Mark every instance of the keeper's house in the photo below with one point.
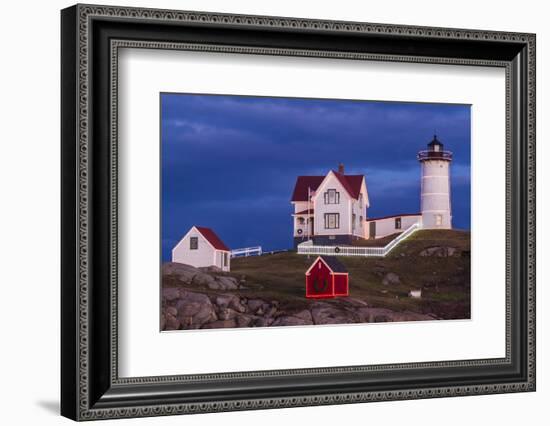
(327, 277)
(201, 247)
(330, 209)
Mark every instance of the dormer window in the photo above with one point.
(194, 243)
(332, 196)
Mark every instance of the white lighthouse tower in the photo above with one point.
(435, 184)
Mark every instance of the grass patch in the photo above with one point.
(445, 281)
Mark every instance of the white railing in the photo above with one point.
(247, 251)
(308, 247)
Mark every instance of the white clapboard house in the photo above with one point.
(201, 247)
(332, 209)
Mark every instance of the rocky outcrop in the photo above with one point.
(184, 309)
(207, 298)
(210, 277)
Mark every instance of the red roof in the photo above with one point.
(310, 211)
(351, 183)
(302, 184)
(212, 238)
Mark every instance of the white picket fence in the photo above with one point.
(308, 247)
(247, 251)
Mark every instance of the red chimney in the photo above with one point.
(341, 168)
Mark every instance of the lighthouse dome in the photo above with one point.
(435, 145)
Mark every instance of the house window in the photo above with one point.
(332, 220)
(301, 221)
(361, 201)
(194, 243)
(353, 217)
(225, 259)
(361, 221)
(332, 197)
(397, 223)
(438, 219)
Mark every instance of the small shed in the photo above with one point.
(327, 277)
(201, 247)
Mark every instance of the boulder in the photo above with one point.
(244, 320)
(189, 309)
(285, 320)
(206, 280)
(226, 314)
(328, 314)
(270, 311)
(170, 293)
(439, 251)
(391, 278)
(171, 310)
(237, 305)
(190, 297)
(194, 310)
(227, 283)
(262, 322)
(184, 273)
(386, 315)
(224, 300)
(255, 304)
(304, 315)
(171, 322)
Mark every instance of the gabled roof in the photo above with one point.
(332, 263)
(212, 238)
(302, 184)
(351, 183)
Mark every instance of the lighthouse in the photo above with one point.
(435, 184)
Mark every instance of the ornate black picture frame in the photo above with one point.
(91, 36)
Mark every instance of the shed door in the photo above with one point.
(372, 230)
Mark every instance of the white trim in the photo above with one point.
(326, 264)
(355, 250)
(319, 191)
(206, 239)
(185, 236)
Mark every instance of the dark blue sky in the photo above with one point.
(230, 162)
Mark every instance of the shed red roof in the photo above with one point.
(351, 183)
(212, 238)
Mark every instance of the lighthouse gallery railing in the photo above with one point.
(308, 247)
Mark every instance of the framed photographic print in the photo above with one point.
(263, 212)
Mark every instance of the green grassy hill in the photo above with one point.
(437, 262)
